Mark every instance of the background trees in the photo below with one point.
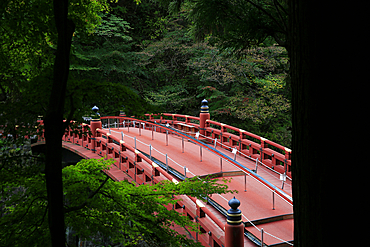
(236, 24)
(250, 91)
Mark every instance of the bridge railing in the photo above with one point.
(117, 122)
(156, 127)
(145, 171)
(271, 154)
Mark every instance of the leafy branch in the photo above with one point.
(85, 203)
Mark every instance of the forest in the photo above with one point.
(157, 54)
(58, 58)
(158, 58)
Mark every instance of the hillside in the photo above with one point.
(156, 56)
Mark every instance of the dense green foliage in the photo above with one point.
(173, 72)
(143, 59)
(248, 92)
(94, 204)
(235, 24)
(142, 49)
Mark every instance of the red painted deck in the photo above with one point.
(261, 208)
(256, 202)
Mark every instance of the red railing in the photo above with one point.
(145, 171)
(160, 126)
(271, 154)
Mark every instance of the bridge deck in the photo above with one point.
(257, 201)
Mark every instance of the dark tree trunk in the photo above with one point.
(54, 124)
(306, 179)
(316, 75)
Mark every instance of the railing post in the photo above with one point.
(288, 156)
(263, 146)
(150, 151)
(182, 144)
(234, 151)
(166, 137)
(234, 227)
(203, 116)
(95, 123)
(152, 132)
(261, 237)
(245, 182)
(166, 163)
(121, 121)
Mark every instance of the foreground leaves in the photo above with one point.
(97, 206)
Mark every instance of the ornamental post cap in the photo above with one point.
(95, 109)
(204, 107)
(95, 115)
(234, 215)
(234, 203)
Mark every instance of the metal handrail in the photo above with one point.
(249, 172)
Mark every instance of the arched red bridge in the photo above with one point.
(175, 146)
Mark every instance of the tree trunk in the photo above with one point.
(54, 125)
(314, 79)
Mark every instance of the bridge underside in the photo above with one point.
(70, 156)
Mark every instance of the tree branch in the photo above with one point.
(281, 7)
(30, 207)
(277, 5)
(42, 221)
(265, 12)
(91, 195)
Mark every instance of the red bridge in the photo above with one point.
(175, 146)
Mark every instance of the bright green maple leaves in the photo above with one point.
(126, 212)
(97, 206)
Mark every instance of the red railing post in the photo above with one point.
(203, 116)
(121, 114)
(95, 123)
(263, 146)
(234, 227)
